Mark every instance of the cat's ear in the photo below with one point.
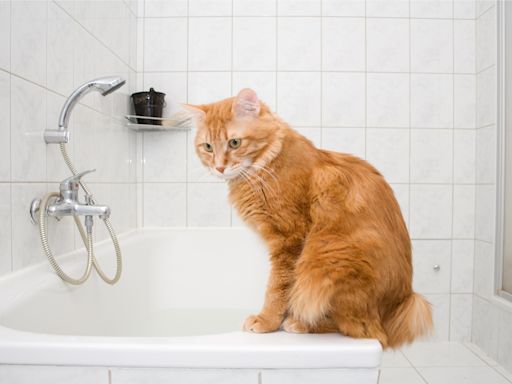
(246, 103)
(196, 111)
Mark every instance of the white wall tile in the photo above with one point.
(486, 97)
(28, 40)
(464, 9)
(485, 324)
(464, 156)
(165, 204)
(387, 100)
(254, 43)
(208, 205)
(464, 46)
(431, 211)
(5, 228)
(464, 211)
(485, 36)
(464, 103)
(264, 83)
(387, 8)
(485, 200)
(426, 254)
(505, 341)
(61, 42)
(388, 151)
(165, 157)
(298, 98)
(339, 106)
(25, 374)
(165, 44)
(173, 84)
(486, 154)
(432, 101)
(441, 315)
(164, 8)
(463, 252)
(483, 6)
(295, 37)
(484, 270)
(26, 244)
(27, 131)
(431, 45)
(254, 7)
(431, 8)
(299, 7)
(346, 140)
(206, 87)
(343, 8)
(5, 35)
(460, 317)
(401, 192)
(209, 44)
(189, 376)
(313, 134)
(5, 126)
(343, 44)
(387, 45)
(210, 7)
(431, 155)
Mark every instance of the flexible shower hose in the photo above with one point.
(87, 237)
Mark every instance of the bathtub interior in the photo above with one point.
(178, 282)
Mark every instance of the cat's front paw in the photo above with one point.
(292, 325)
(261, 324)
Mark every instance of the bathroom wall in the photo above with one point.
(48, 48)
(492, 322)
(390, 81)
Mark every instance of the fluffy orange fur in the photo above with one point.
(340, 252)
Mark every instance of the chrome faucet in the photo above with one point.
(67, 204)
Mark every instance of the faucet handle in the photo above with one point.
(71, 183)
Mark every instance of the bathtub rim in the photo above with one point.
(225, 350)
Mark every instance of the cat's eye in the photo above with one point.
(235, 143)
(207, 147)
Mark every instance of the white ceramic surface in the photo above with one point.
(179, 303)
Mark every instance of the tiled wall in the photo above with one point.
(389, 81)
(47, 49)
(492, 323)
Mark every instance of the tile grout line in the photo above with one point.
(450, 302)
(188, 134)
(232, 82)
(10, 132)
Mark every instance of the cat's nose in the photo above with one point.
(220, 169)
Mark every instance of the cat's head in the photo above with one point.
(236, 136)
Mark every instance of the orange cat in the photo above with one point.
(339, 249)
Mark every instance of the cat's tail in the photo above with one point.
(411, 319)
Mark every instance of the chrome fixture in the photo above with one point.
(436, 267)
(104, 85)
(66, 203)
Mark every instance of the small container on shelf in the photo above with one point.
(148, 105)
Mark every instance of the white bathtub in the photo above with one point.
(175, 316)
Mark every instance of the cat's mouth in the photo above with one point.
(232, 172)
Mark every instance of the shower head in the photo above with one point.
(104, 85)
(107, 85)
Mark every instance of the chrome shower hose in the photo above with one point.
(86, 237)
